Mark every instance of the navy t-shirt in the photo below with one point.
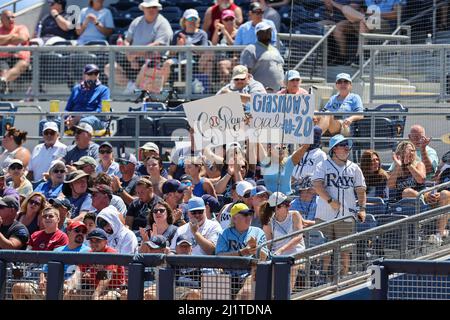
(50, 28)
(140, 210)
(16, 230)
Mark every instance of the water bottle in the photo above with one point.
(429, 39)
(119, 41)
(39, 30)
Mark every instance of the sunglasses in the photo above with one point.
(49, 133)
(342, 144)
(228, 19)
(34, 203)
(186, 183)
(78, 131)
(161, 210)
(48, 216)
(239, 79)
(103, 151)
(195, 212)
(342, 81)
(191, 19)
(123, 163)
(259, 12)
(79, 230)
(59, 171)
(280, 148)
(16, 167)
(246, 195)
(10, 17)
(92, 73)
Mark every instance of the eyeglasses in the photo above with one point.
(195, 212)
(48, 216)
(246, 195)
(16, 166)
(79, 230)
(123, 163)
(49, 133)
(92, 73)
(259, 12)
(342, 81)
(161, 210)
(34, 203)
(103, 151)
(342, 144)
(239, 79)
(59, 171)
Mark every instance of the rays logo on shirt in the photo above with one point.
(234, 245)
(342, 182)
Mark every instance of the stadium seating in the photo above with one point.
(6, 121)
(407, 207)
(369, 223)
(167, 125)
(376, 205)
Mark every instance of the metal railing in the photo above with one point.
(430, 189)
(7, 4)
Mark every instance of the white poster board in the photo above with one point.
(216, 120)
(271, 114)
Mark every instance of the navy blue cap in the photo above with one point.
(97, 233)
(157, 242)
(90, 68)
(212, 202)
(172, 185)
(183, 239)
(61, 202)
(107, 144)
(258, 190)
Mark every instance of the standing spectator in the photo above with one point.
(270, 13)
(376, 177)
(203, 233)
(95, 23)
(45, 153)
(292, 81)
(139, 208)
(30, 211)
(263, 60)
(75, 188)
(12, 142)
(52, 188)
(55, 26)
(125, 184)
(150, 29)
(201, 185)
(16, 172)
(336, 180)
(13, 234)
(12, 64)
(343, 101)
(214, 13)
(106, 160)
(83, 144)
(154, 168)
(246, 33)
(160, 223)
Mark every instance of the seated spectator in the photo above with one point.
(376, 177)
(44, 154)
(106, 161)
(214, 13)
(103, 181)
(30, 211)
(201, 185)
(149, 149)
(155, 244)
(154, 169)
(243, 192)
(95, 23)
(246, 33)
(75, 188)
(55, 26)
(409, 173)
(150, 29)
(13, 234)
(12, 142)
(173, 193)
(263, 60)
(139, 208)
(343, 101)
(212, 206)
(160, 223)
(18, 181)
(52, 188)
(244, 83)
(258, 195)
(86, 164)
(124, 185)
(202, 233)
(292, 81)
(87, 97)
(5, 190)
(12, 64)
(424, 152)
(83, 144)
(270, 13)
(65, 211)
(101, 282)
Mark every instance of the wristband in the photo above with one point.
(97, 23)
(330, 200)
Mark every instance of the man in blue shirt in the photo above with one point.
(246, 33)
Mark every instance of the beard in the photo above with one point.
(79, 239)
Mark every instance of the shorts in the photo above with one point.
(8, 63)
(336, 230)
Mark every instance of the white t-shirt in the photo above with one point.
(308, 164)
(209, 229)
(340, 183)
(42, 157)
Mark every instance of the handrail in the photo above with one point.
(419, 195)
(300, 37)
(13, 2)
(314, 48)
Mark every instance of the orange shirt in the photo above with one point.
(17, 30)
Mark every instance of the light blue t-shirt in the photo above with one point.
(384, 5)
(306, 208)
(246, 33)
(231, 240)
(351, 103)
(113, 170)
(91, 32)
(270, 176)
(69, 270)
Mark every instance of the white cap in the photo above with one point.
(50, 126)
(343, 76)
(263, 25)
(150, 146)
(55, 163)
(277, 198)
(242, 187)
(189, 13)
(150, 3)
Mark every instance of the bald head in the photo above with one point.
(416, 135)
(7, 19)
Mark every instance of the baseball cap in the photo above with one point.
(149, 4)
(241, 208)
(75, 175)
(150, 146)
(85, 127)
(185, 177)
(76, 224)
(157, 242)
(128, 157)
(90, 68)
(190, 13)
(291, 75)
(258, 190)
(172, 185)
(106, 144)
(50, 126)
(9, 202)
(335, 140)
(227, 13)
(51, 2)
(343, 76)
(86, 160)
(277, 198)
(196, 203)
(263, 25)
(97, 233)
(255, 6)
(102, 188)
(183, 239)
(13, 161)
(212, 202)
(239, 72)
(242, 187)
(61, 202)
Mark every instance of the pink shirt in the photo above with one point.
(17, 30)
(299, 91)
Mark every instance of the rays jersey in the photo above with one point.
(340, 183)
(305, 169)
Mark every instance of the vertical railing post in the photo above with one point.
(112, 72)
(263, 287)
(281, 270)
(136, 281)
(325, 57)
(189, 72)
(166, 281)
(361, 55)
(35, 73)
(443, 68)
(2, 279)
(55, 281)
(137, 130)
(372, 76)
(434, 20)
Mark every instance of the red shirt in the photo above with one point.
(17, 30)
(299, 91)
(116, 273)
(216, 14)
(42, 241)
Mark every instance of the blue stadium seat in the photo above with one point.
(201, 11)
(151, 106)
(167, 125)
(51, 68)
(315, 238)
(6, 121)
(407, 206)
(123, 5)
(172, 14)
(369, 223)
(376, 205)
